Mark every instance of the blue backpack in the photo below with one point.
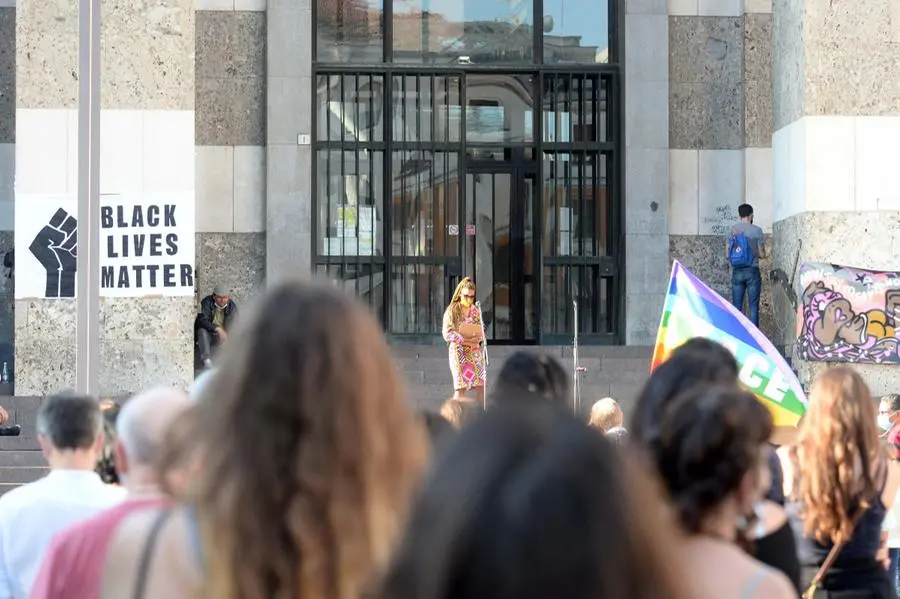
(740, 252)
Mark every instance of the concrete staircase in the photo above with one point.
(615, 371)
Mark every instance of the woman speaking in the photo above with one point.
(464, 333)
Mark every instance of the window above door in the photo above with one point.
(464, 32)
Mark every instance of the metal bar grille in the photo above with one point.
(576, 259)
(391, 204)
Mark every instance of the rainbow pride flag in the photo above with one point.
(694, 310)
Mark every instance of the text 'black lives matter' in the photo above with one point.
(168, 272)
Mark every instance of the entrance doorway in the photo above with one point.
(499, 248)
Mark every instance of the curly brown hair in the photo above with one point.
(309, 451)
(837, 451)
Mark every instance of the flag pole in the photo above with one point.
(87, 350)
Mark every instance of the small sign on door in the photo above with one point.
(470, 230)
(453, 230)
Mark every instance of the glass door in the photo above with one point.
(499, 249)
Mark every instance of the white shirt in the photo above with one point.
(892, 523)
(31, 515)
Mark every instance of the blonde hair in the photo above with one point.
(453, 307)
(605, 415)
(838, 446)
(460, 412)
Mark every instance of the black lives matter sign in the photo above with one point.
(147, 248)
(146, 245)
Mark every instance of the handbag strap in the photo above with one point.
(836, 551)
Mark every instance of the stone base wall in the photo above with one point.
(704, 255)
(861, 239)
(236, 260)
(143, 343)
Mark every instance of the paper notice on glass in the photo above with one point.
(366, 219)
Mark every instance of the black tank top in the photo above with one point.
(779, 550)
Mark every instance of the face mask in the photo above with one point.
(884, 422)
(467, 302)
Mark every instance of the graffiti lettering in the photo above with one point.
(719, 220)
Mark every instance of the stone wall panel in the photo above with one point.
(7, 75)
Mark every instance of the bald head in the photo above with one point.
(144, 421)
(606, 414)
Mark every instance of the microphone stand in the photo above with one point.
(484, 350)
(576, 395)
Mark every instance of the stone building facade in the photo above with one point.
(789, 105)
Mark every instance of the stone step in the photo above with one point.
(21, 476)
(21, 443)
(563, 352)
(22, 459)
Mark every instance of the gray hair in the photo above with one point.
(145, 420)
(70, 421)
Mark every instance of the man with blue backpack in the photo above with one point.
(745, 246)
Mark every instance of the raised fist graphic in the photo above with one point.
(56, 248)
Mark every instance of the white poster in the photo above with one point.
(146, 245)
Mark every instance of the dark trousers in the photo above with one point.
(206, 341)
(894, 570)
(747, 280)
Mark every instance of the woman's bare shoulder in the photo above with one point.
(892, 484)
(775, 585)
(170, 554)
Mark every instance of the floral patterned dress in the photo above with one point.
(466, 361)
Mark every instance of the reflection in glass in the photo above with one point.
(350, 201)
(575, 108)
(562, 284)
(499, 108)
(426, 108)
(366, 281)
(463, 31)
(525, 195)
(350, 108)
(576, 31)
(349, 31)
(575, 204)
(424, 204)
(418, 298)
(488, 247)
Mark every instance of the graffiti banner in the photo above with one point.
(848, 314)
(694, 310)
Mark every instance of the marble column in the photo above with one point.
(7, 167)
(147, 146)
(289, 155)
(836, 146)
(231, 146)
(646, 80)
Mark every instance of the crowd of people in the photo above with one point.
(295, 468)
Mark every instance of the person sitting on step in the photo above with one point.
(217, 313)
